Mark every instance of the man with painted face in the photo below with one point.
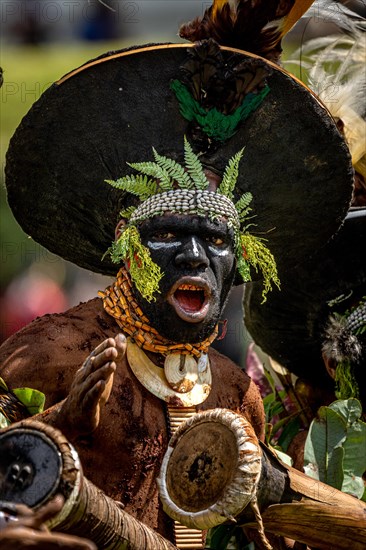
(120, 373)
(198, 257)
(167, 301)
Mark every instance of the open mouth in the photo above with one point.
(190, 299)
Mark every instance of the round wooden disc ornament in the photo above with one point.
(211, 469)
(37, 462)
(32, 468)
(114, 109)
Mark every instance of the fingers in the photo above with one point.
(104, 357)
(106, 351)
(101, 375)
(94, 395)
(22, 538)
(48, 511)
(121, 343)
(108, 343)
(29, 532)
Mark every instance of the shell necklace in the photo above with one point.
(193, 387)
(186, 366)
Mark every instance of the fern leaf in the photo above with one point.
(230, 176)
(137, 185)
(127, 212)
(154, 170)
(242, 206)
(175, 170)
(194, 167)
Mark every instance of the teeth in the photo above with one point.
(190, 287)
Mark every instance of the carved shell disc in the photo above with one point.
(153, 378)
(181, 372)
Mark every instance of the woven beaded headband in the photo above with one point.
(189, 202)
(166, 186)
(356, 321)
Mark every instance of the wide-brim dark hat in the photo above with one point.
(290, 325)
(113, 109)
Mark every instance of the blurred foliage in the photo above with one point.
(228, 537)
(28, 72)
(282, 422)
(335, 449)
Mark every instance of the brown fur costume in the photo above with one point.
(124, 454)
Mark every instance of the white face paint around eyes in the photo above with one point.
(219, 251)
(159, 246)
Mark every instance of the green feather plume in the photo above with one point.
(215, 124)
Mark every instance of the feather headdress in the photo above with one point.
(334, 68)
(255, 26)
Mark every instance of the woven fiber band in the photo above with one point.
(357, 318)
(188, 201)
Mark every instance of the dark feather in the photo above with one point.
(218, 83)
(255, 26)
(339, 343)
(214, 82)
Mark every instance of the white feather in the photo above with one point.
(334, 68)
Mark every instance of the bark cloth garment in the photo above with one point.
(123, 456)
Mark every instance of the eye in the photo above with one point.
(217, 241)
(163, 236)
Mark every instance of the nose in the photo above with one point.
(192, 254)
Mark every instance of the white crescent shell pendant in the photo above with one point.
(193, 381)
(181, 372)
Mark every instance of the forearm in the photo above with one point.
(53, 416)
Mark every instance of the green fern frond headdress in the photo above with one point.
(166, 186)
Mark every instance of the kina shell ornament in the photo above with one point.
(181, 372)
(184, 382)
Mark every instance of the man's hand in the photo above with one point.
(23, 529)
(90, 390)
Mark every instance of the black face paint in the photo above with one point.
(198, 262)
